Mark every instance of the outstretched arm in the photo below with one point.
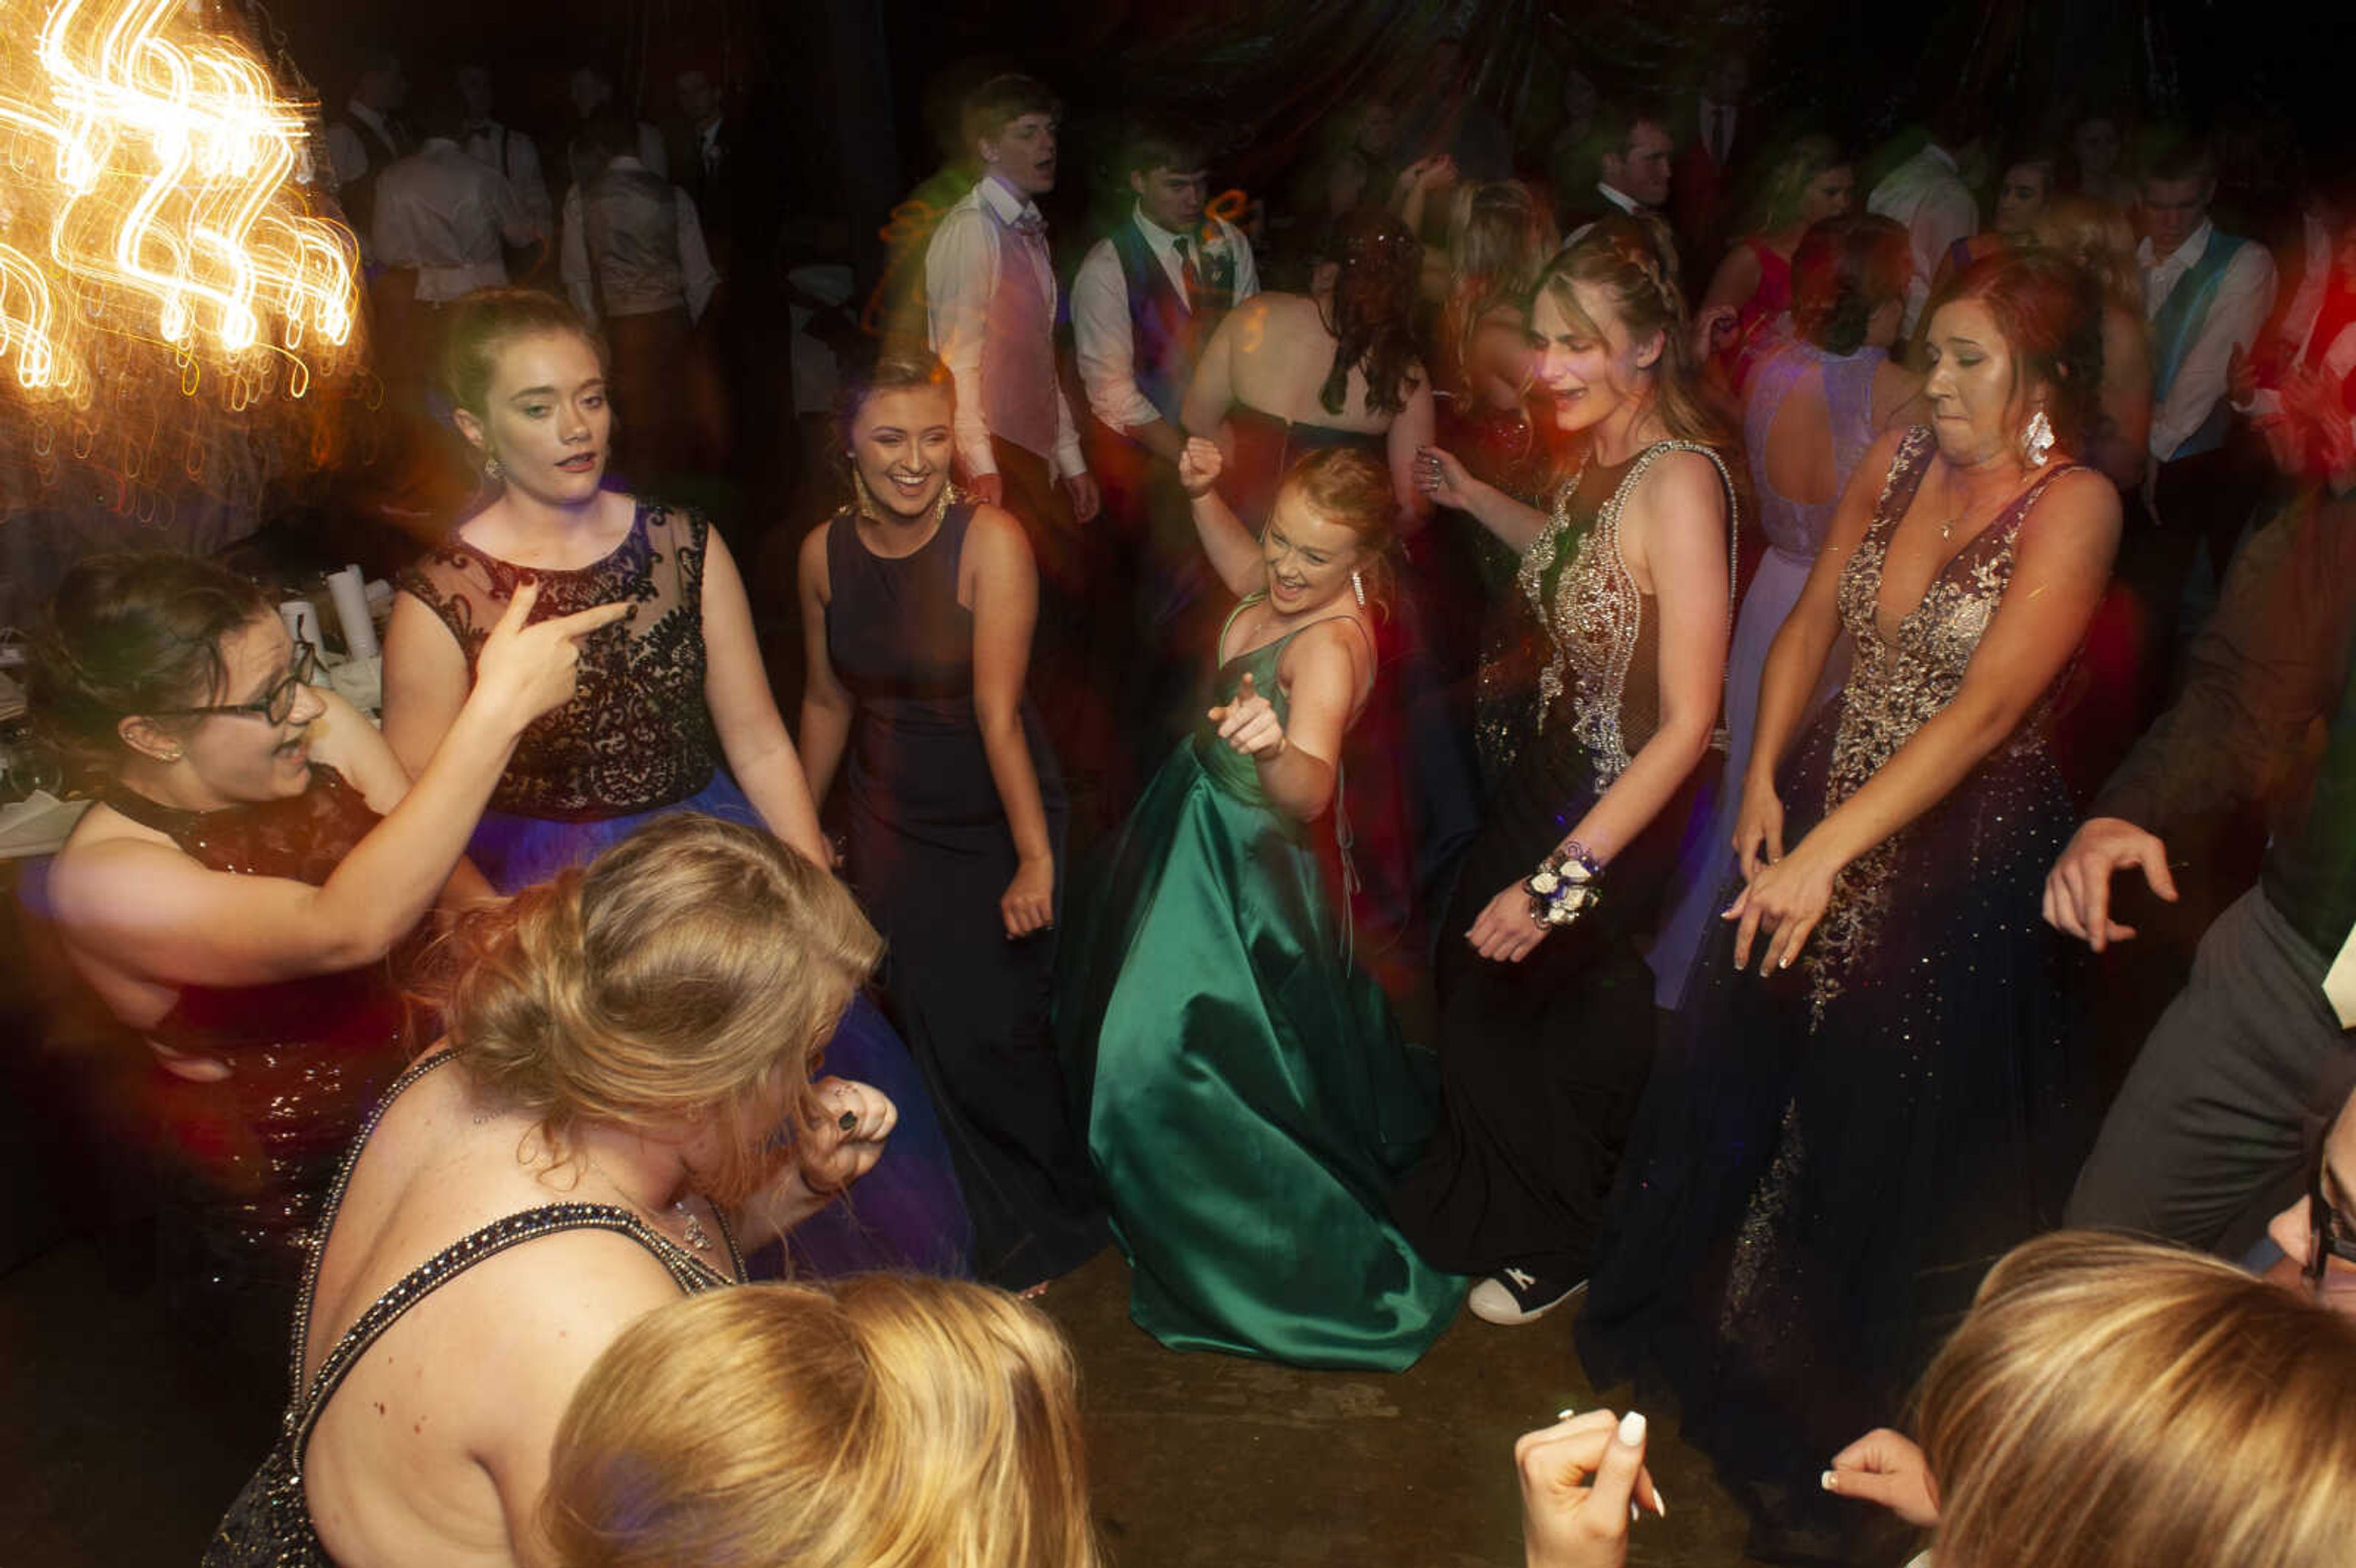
(1234, 554)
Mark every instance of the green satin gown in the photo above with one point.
(1248, 1097)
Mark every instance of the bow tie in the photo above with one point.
(1028, 223)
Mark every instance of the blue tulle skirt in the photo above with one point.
(908, 1213)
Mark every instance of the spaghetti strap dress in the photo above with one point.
(1248, 1098)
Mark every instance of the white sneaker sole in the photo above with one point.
(1492, 1302)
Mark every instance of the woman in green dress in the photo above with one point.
(1248, 1097)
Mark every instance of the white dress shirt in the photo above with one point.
(1926, 195)
(348, 150)
(651, 254)
(1717, 130)
(513, 156)
(445, 215)
(1102, 327)
(960, 274)
(2244, 294)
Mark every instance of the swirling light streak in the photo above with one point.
(151, 160)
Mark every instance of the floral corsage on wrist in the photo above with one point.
(1566, 884)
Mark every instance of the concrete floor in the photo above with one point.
(118, 1447)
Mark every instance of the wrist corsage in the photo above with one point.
(1565, 885)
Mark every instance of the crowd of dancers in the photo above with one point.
(1471, 780)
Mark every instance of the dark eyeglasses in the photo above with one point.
(273, 706)
(2328, 1234)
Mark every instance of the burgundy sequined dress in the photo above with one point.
(247, 1160)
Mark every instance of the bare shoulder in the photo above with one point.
(811, 559)
(1681, 483)
(1337, 644)
(2082, 499)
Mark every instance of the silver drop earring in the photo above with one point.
(492, 469)
(1358, 587)
(2036, 439)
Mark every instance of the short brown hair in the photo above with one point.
(997, 103)
(894, 1421)
(695, 969)
(2113, 1403)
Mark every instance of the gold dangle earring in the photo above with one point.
(866, 499)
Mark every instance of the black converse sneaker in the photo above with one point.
(1513, 1295)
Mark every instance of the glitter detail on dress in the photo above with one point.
(1594, 614)
(637, 734)
(270, 1522)
(1901, 679)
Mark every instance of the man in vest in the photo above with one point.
(1145, 301)
(503, 148)
(990, 301)
(2207, 294)
(369, 138)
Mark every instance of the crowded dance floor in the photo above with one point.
(1257, 784)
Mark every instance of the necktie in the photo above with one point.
(1187, 274)
(1718, 134)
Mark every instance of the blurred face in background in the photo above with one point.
(1172, 198)
(1641, 169)
(2097, 146)
(699, 99)
(1023, 153)
(2172, 209)
(1830, 195)
(474, 85)
(588, 92)
(2021, 198)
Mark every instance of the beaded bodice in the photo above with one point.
(1904, 675)
(270, 1522)
(1597, 622)
(637, 734)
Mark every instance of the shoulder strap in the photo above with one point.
(1645, 461)
(1219, 648)
(487, 1242)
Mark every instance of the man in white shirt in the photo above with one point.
(990, 303)
(1931, 194)
(1144, 302)
(368, 139)
(502, 148)
(634, 259)
(2207, 295)
(446, 217)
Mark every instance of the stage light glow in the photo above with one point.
(149, 161)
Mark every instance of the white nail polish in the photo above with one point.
(1632, 1515)
(1632, 1428)
(1660, 1501)
(1565, 1413)
(1829, 1481)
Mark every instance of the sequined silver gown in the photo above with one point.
(1826, 1163)
(1542, 1061)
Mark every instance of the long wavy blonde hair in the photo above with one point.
(894, 1422)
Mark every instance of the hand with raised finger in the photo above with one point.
(1029, 902)
(1247, 722)
(1758, 829)
(1580, 1481)
(1887, 1468)
(1442, 478)
(1504, 932)
(2078, 888)
(526, 669)
(1200, 462)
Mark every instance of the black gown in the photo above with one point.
(1542, 1061)
(1825, 1163)
(930, 855)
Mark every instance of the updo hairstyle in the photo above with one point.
(695, 968)
(2051, 313)
(486, 321)
(1634, 261)
(1342, 485)
(128, 634)
(891, 1422)
(1845, 270)
(2097, 236)
(2113, 1403)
